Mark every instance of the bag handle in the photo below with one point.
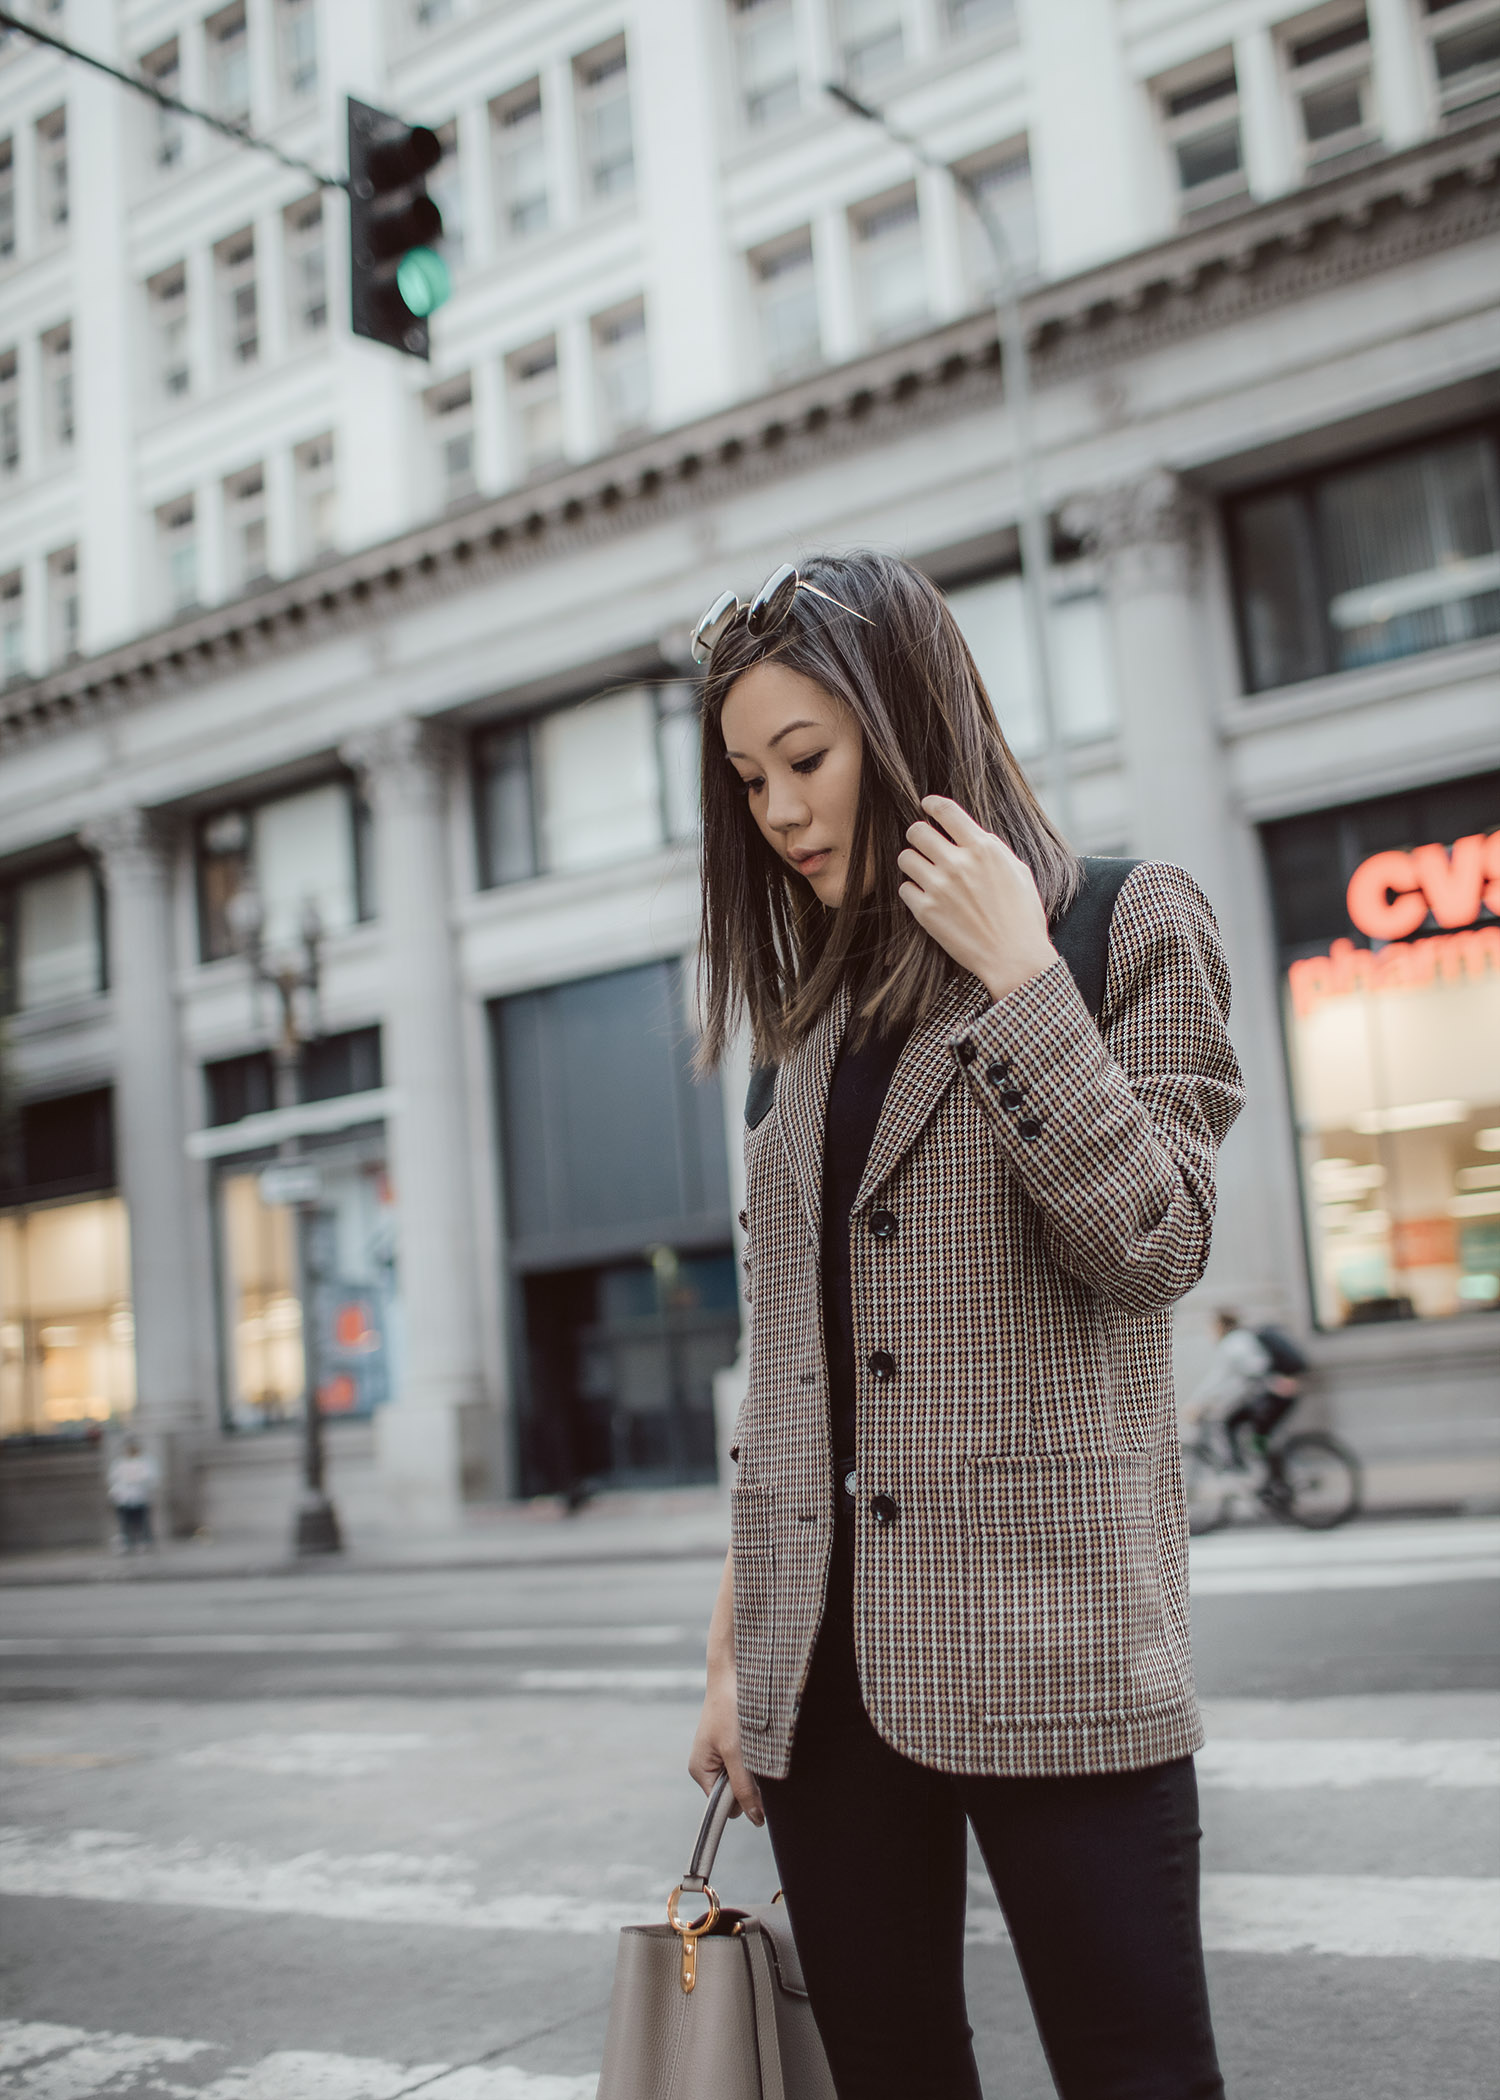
(720, 1808)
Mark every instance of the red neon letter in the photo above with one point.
(1384, 899)
(1453, 886)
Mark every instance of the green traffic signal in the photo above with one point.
(422, 280)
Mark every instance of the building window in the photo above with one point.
(535, 397)
(1201, 124)
(239, 305)
(52, 176)
(167, 299)
(1329, 71)
(67, 1339)
(973, 17)
(177, 543)
(890, 266)
(296, 853)
(602, 95)
(246, 550)
(297, 44)
(306, 268)
(163, 68)
(446, 189)
(53, 943)
(765, 59)
(229, 63)
(520, 147)
(316, 498)
(1003, 179)
(870, 38)
(786, 297)
(57, 388)
(7, 200)
(449, 412)
(586, 786)
(1355, 567)
(992, 617)
(1390, 955)
(622, 370)
(12, 633)
(10, 414)
(1464, 37)
(64, 608)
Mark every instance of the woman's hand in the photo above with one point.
(716, 1746)
(975, 897)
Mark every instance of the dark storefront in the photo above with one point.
(625, 1288)
(1388, 918)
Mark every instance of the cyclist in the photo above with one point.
(1251, 1379)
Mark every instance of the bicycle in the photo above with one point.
(1309, 1479)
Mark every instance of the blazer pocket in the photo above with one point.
(1065, 1590)
(753, 1536)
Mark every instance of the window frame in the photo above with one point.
(1436, 25)
(590, 70)
(219, 30)
(766, 262)
(64, 628)
(519, 387)
(59, 406)
(741, 29)
(236, 266)
(522, 105)
(1349, 62)
(1206, 112)
(10, 941)
(314, 475)
(1302, 486)
(178, 516)
(451, 397)
(166, 141)
(167, 285)
(54, 224)
(304, 235)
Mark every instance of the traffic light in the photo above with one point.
(396, 276)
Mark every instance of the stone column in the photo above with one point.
(1147, 535)
(172, 1410)
(405, 768)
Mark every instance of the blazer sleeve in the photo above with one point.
(1113, 1129)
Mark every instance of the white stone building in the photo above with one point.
(282, 613)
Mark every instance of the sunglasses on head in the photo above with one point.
(767, 613)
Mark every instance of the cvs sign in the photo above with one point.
(1391, 894)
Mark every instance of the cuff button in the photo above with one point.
(1029, 1128)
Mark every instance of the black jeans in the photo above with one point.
(1097, 1877)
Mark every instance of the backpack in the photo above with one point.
(1080, 936)
(1287, 1360)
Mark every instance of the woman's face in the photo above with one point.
(797, 750)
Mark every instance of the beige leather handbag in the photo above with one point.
(715, 2009)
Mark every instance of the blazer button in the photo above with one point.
(884, 1509)
(882, 1364)
(883, 1224)
(1012, 1097)
(1029, 1127)
(999, 1072)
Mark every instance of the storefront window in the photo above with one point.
(308, 1277)
(67, 1344)
(1392, 1019)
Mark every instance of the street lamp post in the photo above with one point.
(1035, 536)
(316, 1528)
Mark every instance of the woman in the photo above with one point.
(957, 1589)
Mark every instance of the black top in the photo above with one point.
(856, 1093)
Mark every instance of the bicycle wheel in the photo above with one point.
(1321, 1481)
(1203, 1490)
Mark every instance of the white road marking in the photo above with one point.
(69, 2063)
(693, 1681)
(1268, 1558)
(104, 1866)
(1442, 1918)
(1347, 1761)
(344, 1641)
(327, 1755)
(1429, 1917)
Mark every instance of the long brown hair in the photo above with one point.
(928, 728)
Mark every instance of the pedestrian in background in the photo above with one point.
(133, 1477)
(1244, 1387)
(957, 1593)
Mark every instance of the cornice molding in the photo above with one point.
(1433, 196)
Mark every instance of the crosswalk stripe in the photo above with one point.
(70, 2063)
(1347, 1761)
(344, 1641)
(1340, 1575)
(1361, 1916)
(1441, 1918)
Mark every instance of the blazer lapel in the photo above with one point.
(802, 1101)
(920, 1080)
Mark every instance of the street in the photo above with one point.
(348, 1836)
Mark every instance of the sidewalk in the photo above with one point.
(667, 1524)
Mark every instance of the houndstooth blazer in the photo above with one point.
(1021, 1549)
